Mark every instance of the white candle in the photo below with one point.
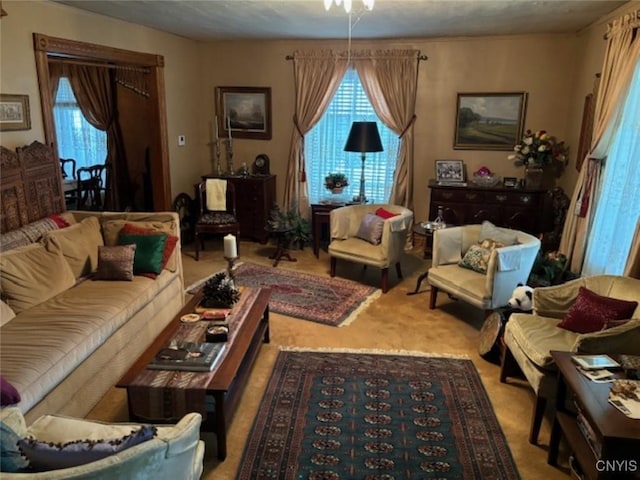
(230, 247)
(216, 120)
(229, 127)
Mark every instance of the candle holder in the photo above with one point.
(230, 171)
(217, 166)
(231, 269)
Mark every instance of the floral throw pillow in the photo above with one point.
(477, 257)
(592, 312)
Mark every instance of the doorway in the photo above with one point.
(147, 159)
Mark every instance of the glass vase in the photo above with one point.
(534, 176)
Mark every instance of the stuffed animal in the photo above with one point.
(522, 298)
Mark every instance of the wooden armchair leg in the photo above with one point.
(398, 270)
(536, 419)
(434, 295)
(385, 280)
(333, 266)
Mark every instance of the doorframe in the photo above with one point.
(46, 47)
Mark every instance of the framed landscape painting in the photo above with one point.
(246, 111)
(489, 121)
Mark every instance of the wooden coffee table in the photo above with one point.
(163, 396)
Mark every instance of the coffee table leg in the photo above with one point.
(265, 319)
(220, 425)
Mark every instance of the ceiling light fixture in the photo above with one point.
(368, 4)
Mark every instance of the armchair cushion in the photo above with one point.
(591, 312)
(371, 228)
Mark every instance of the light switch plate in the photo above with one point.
(182, 140)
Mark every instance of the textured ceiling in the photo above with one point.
(286, 19)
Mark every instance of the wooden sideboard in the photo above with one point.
(255, 197)
(529, 210)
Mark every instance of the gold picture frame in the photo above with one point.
(14, 112)
(489, 121)
(246, 110)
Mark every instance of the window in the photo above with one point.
(77, 138)
(324, 147)
(618, 209)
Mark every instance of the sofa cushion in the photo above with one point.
(79, 244)
(624, 338)
(148, 252)
(536, 336)
(591, 312)
(45, 453)
(371, 228)
(33, 232)
(8, 393)
(111, 229)
(6, 313)
(32, 275)
(115, 263)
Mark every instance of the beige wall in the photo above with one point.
(556, 70)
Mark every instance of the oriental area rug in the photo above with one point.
(326, 300)
(368, 415)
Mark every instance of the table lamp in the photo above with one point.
(363, 138)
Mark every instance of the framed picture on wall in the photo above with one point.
(245, 111)
(489, 121)
(14, 112)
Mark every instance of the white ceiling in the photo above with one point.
(307, 19)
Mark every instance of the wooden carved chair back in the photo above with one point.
(216, 221)
(63, 167)
(91, 187)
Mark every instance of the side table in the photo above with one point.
(282, 248)
(616, 437)
(320, 221)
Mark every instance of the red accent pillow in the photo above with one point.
(592, 312)
(8, 393)
(381, 212)
(169, 246)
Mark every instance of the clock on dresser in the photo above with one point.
(261, 165)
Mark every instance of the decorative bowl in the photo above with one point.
(485, 180)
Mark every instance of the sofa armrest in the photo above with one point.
(624, 338)
(394, 233)
(447, 246)
(556, 300)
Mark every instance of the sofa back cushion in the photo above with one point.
(32, 275)
(79, 245)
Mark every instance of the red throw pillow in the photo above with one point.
(592, 312)
(59, 220)
(169, 246)
(381, 212)
(8, 393)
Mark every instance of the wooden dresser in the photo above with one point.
(529, 210)
(255, 196)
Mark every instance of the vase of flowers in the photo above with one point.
(336, 182)
(543, 156)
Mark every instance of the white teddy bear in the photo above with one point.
(522, 298)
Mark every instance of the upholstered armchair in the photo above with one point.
(530, 338)
(505, 266)
(379, 243)
(176, 451)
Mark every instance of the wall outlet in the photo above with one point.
(182, 140)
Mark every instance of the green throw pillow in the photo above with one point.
(149, 251)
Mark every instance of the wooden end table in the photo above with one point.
(178, 392)
(617, 435)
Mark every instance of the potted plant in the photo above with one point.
(336, 182)
(543, 156)
(298, 228)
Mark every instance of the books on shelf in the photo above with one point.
(188, 356)
(588, 433)
(595, 362)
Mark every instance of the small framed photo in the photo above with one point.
(14, 112)
(450, 171)
(510, 182)
(489, 121)
(246, 111)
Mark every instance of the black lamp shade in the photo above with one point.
(363, 137)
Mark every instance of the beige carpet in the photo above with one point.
(394, 322)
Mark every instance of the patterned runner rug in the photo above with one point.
(353, 415)
(331, 301)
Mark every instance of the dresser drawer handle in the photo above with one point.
(447, 194)
(501, 198)
(471, 196)
(525, 198)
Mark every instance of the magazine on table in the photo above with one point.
(188, 356)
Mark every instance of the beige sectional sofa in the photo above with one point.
(63, 354)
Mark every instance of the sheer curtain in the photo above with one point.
(618, 208)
